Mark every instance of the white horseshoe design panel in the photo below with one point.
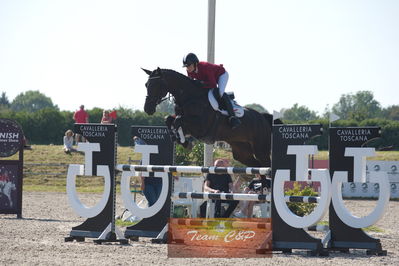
(286, 214)
(77, 206)
(360, 222)
(302, 153)
(132, 206)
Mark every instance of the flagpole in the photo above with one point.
(208, 148)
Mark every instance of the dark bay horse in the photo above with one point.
(250, 142)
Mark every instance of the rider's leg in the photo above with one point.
(222, 83)
(233, 120)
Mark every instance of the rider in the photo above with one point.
(213, 76)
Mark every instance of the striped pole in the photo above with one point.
(241, 196)
(194, 169)
(302, 199)
(221, 196)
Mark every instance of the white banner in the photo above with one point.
(371, 190)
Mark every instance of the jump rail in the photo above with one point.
(194, 169)
(241, 196)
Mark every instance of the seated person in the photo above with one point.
(68, 142)
(150, 185)
(219, 183)
(259, 185)
(107, 118)
(26, 144)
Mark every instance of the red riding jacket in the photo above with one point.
(208, 73)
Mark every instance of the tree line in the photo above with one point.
(44, 123)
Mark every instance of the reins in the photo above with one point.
(165, 98)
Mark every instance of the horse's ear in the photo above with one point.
(147, 71)
(159, 71)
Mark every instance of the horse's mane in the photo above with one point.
(194, 82)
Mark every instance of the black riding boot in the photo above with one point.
(233, 120)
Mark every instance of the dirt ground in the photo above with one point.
(38, 239)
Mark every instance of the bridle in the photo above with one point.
(154, 98)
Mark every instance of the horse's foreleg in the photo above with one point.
(179, 131)
(178, 128)
(169, 120)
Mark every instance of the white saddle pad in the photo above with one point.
(238, 110)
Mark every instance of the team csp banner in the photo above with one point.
(219, 238)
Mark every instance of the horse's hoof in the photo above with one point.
(188, 145)
(173, 138)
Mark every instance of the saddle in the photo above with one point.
(218, 106)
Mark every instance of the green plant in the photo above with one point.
(301, 209)
(195, 156)
(180, 212)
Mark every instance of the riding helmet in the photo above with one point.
(189, 59)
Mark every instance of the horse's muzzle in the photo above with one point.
(149, 109)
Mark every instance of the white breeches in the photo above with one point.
(222, 82)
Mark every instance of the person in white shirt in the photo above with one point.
(68, 142)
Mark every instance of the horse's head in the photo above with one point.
(156, 90)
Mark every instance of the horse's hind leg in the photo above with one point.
(243, 153)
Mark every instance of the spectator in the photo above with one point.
(259, 185)
(138, 141)
(219, 183)
(150, 185)
(80, 117)
(68, 142)
(26, 144)
(106, 119)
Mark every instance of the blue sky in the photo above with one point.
(277, 53)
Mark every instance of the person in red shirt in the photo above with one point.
(80, 117)
(212, 76)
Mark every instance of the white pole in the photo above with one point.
(208, 148)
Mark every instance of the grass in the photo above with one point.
(121, 223)
(52, 175)
(372, 228)
(57, 162)
(380, 156)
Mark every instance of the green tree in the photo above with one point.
(128, 117)
(256, 107)
(48, 126)
(32, 101)
(299, 113)
(167, 106)
(391, 112)
(4, 102)
(358, 106)
(95, 115)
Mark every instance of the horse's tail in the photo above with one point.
(269, 119)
